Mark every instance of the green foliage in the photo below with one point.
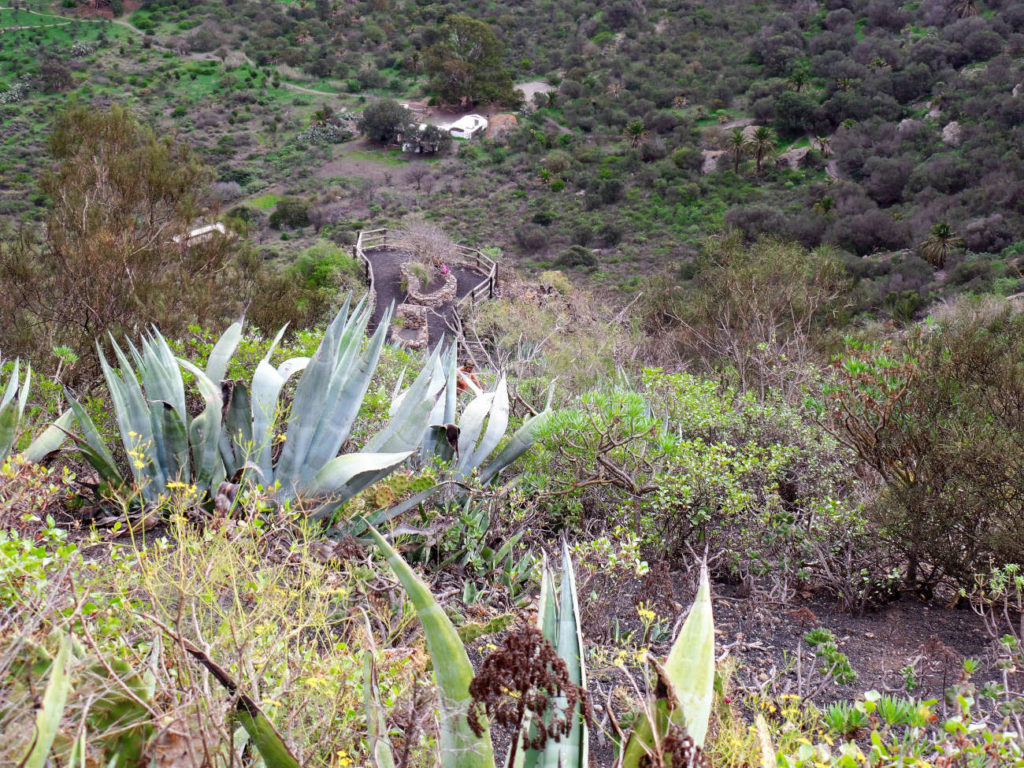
(290, 212)
(686, 463)
(466, 63)
(384, 121)
(834, 664)
(929, 414)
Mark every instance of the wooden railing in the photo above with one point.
(482, 261)
(368, 239)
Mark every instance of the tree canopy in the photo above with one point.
(109, 261)
(466, 64)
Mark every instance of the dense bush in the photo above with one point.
(290, 212)
(384, 121)
(935, 414)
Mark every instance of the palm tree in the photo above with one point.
(826, 205)
(636, 132)
(737, 144)
(940, 244)
(799, 77)
(965, 8)
(762, 144)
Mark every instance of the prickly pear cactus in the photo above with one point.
(383, 496)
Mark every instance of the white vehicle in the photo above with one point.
(468, 126)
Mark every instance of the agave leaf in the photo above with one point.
(161, 376)
(405, 430)
(451, 388)
(292, 366)
(380, 748)
(266, 386)
(51, 439)
(205, 430)
(9, 422)
(497, 423)
(132, 413)
(175, 441)
(443, 411)
(571, 751)
(263, 734)
(236, 437)
(98, 454)
(471, 424)
(547, 623)
(691, 663)
(343, 406)
(311, 395)
(689, 671)
(49, 716)
(345, 476)
(12, 407)
(519, 444)
(460, 747)
(222, 351)
(12, 385)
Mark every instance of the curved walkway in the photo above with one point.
(387, 286)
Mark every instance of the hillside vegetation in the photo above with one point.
(725, 467)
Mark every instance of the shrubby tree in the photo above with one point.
(108, 262)
(466, 63)
(752, 312)
(937, 415)
(384, 121)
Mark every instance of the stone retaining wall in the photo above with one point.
(444, 295)
(414, 318)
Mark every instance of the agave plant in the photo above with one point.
(682, 702)
(467, 441)
(12, 410)
(558, 618)
(162, 442)
(327, 400)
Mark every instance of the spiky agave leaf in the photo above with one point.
(689, 673)
(558, 618)
(51, 438)
(328, 398)
(343, 477)
(50, 713)
(12, 407)
(460, 747)
(92, 446)
(571, 751)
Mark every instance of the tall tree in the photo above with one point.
(466, 64)
(737, 145)
(762, 144)
(115, 255)
(940, 244)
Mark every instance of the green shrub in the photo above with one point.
(290, 212)
(577, 256)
